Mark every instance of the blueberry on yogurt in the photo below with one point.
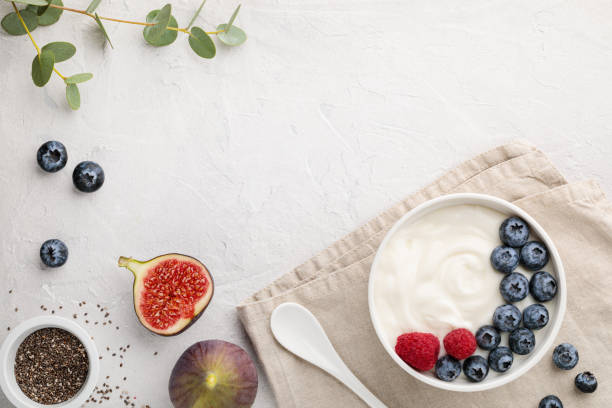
(504, 259)
(476, 368)
(522, 341)
(447, 368)
(487, 337)
(514, 287)
(543, 286)
(514, 232)
(535, 316)
(507, 318)
(500, 359)
(534, 255)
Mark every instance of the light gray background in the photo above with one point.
(258, 159)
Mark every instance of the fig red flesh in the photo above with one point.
(170, 291)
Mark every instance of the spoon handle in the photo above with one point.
(346, 376)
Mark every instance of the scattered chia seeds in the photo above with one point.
(51, 366)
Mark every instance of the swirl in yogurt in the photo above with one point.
(434, 274)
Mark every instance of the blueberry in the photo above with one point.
(488, 337)
(88, 176)
(500, 359)
(522, 341)
(507, 318)
(535, 316)
(543, 286)
(448, 368)
(550, 401)
(475, 368)
(504, 259)
(52, 156)
(514, 232)
(586, 382)
(514, 287)
(534, 255)
(565, 356)
(54, 253)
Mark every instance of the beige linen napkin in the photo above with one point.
(333, 285)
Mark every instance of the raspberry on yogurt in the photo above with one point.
(418, 350)
(460, 343)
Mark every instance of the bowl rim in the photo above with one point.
(8, 383)
(555, 259)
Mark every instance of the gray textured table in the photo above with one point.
(256, 160)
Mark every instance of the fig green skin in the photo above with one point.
(213, 374)
(196, 317)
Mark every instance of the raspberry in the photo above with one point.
(419, 350)
(460, 343)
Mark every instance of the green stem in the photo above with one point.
(116, 20)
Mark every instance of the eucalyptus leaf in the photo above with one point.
(32, 2)
(233, 17)
(78, 78)
(47, 15)
(12, 25)
(73, 96)
(197, 13)
(232, 36)
(167, 37)
(42, 67)
(93, 6)
(161, 21)
(39, 10)
(62, 50)
(201, 43)
(50, 15)
(97, 17)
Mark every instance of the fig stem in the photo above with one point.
(124, 261)
(130, 264)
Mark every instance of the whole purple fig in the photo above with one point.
(213, 374)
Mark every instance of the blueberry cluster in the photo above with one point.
(87, 177)
(474, 367)
(514, 287)
(516, 248)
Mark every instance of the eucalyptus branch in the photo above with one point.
(160, 29)
(25, 27)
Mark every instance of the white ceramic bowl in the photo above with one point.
(9, 351)
(544, 337)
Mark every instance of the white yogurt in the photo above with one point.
(434, 275)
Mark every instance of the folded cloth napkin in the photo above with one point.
(333, 285)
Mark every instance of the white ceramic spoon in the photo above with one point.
(297, 330)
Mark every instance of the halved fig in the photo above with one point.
(213, 374)
(170, 291)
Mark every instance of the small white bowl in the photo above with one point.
(8, 352)
(521, 364)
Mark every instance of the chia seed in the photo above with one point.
(51, 366)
